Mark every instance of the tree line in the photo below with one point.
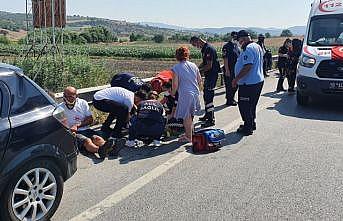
(101, 34)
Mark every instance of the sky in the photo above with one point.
(189, 13)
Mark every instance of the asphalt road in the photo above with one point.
(290, 169)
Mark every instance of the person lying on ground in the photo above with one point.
(149, 123)
(79, 118)
(130, 82)
(118, 102)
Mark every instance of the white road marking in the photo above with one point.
(128, 190)
(133, 187)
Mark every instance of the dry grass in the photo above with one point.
(142, 68)
(14, 35)
(270, 42)
(278, 42)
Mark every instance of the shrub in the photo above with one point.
(54, 74)
(4, 40)
(286, 33)
(158, 38)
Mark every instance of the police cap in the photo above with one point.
(243, 33)
(261, 36)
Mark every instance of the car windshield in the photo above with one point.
(326, 31)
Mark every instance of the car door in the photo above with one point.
(5, 126)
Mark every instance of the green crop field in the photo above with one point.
(94, 64)
(107, 50)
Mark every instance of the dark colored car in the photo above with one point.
(37, 152)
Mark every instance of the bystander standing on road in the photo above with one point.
(210, 67)
(231, 53)
(261, 43)
(293, 59)
(282, 63)
(249, 78)
(186, 80)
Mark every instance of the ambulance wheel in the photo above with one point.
(302, 100)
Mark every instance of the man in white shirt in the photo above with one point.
(79, 118)
(118, 102)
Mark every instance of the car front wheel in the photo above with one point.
(34, 193)
(302, 100)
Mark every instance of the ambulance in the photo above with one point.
(320, 69)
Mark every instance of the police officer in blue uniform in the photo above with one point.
(210, 67)
(249, 78)
(231, 52)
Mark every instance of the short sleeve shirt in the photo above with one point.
(128, 81)
(253, 54)
(117, 94)
(78, 114)
(209, 54)
(231, 52)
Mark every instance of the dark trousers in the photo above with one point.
(247, 103)
(145, 128)
(265, 67)
(292, 73)
(116, 111)
(209, 86)
(230, 91)
(282, 71)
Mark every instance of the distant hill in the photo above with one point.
(296, 30)
(119, 27)
(12, 21)
(163, 25)
(16, 22)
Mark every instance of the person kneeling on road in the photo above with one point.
(118, 102)
(79, 118)
(130, 82)
(149, 123)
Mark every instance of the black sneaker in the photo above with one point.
(231, 103)
(253, 127)
(102, 152)
(280, 89)
(244, 131)
(116, 148)
(106, 148)
(208, 123)
(204, 118)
